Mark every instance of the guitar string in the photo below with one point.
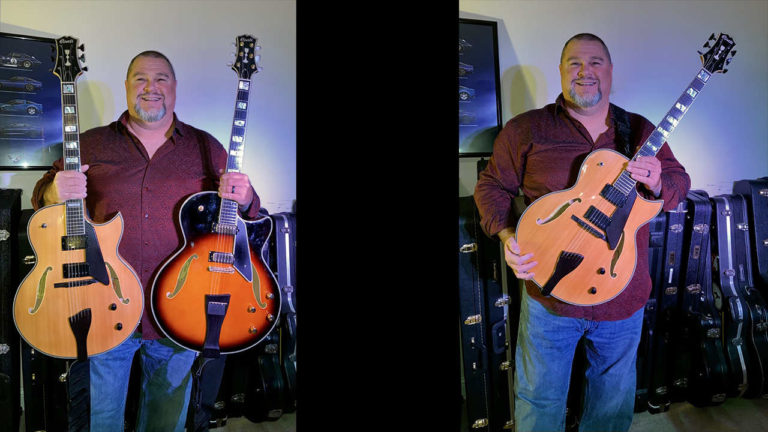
(676, 113)
(225, 238)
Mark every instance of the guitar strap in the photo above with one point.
(623, 131)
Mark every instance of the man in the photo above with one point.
(540, 151)
(144, 165)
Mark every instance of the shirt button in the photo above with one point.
(146, 215)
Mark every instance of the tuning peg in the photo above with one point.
(728, 61)
(82, 57)
(712, 37)
(725, 70)
(733, 53)
(85, 68)
(706, 45)
(81, 47)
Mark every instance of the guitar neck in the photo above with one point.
(228, 211)
(653, 143)
(71, 145)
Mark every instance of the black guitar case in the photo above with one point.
(45, 379)
(10, 399)
(755, 299)
(758, 309)
(646, 350)
(756, 193)
(667, 278)
(483, 322)
(282, 252)
(744, 372)
(700, 371)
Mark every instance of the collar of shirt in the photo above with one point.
(179, 127)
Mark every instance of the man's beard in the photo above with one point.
(150, 116)
(583, 102)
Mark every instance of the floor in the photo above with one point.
(286, 423)
(734, 415)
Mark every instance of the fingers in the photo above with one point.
(70, 184)
(520, 264)
(237, 187)
(646, 170)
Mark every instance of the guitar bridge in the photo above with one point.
(227, 270)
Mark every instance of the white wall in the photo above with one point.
(653, 45)
(198, 37)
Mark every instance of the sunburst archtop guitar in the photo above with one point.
(81, 298)
(216, 294)
(583, 238)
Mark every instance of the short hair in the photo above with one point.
(588, 37)
(153, 54)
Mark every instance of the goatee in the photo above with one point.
(150, 116)
(584, 102)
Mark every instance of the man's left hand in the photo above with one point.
(237, 187)
(647, 170)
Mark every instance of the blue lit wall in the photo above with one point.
(198, 38)
(654, 47)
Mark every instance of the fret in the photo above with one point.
(653, 143)
(244, 67)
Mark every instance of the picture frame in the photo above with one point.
(30, 103)
(479, 87)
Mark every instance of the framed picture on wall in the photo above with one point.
(30, 103)
(479, 89)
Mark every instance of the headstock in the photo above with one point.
(67, 66)
(717, 58)
(246, 59)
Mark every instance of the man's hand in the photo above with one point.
(68, 184)
(237, 187)
(520, 264)
(647, 170)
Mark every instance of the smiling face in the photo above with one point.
(586, 74)
(150, 89)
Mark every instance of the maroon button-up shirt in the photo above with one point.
(540, 151)
(147, 192)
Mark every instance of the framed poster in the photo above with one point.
(30, 103)
(479, 89)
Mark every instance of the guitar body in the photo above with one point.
(179, 291)
(42, 306)
(559, 223)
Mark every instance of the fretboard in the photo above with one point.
(625, 183)
(71, 144)
(228, 210)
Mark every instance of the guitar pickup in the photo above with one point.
(598, 218)
(613, 195)
(224, 229)
(221, 257)
(75, 270)
(73, 242)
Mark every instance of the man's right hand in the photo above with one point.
(520, 264)
(68, 184)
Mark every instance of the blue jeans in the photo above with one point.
(165, 385)
(543, 359)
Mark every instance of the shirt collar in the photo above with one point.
(179, 127)
(560, 108)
